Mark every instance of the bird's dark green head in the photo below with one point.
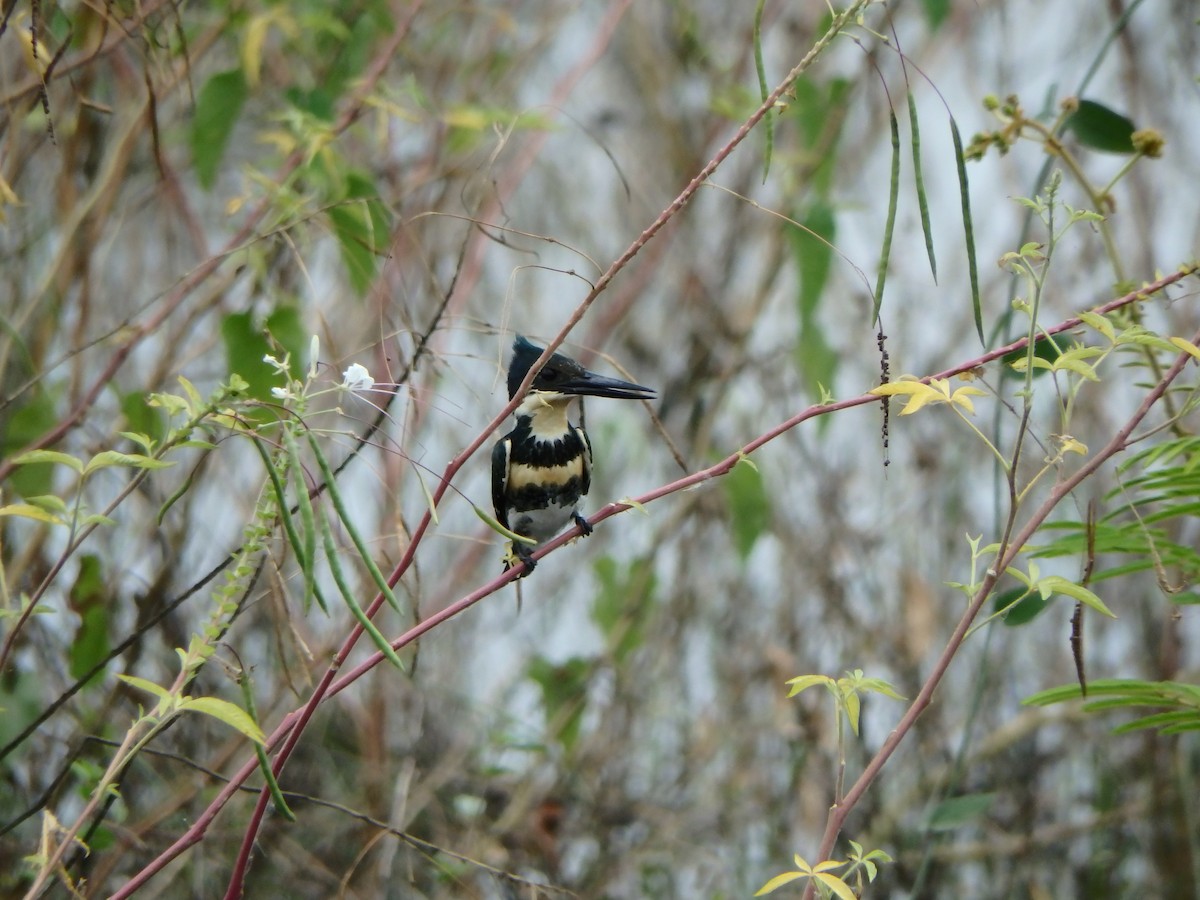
(562, 375)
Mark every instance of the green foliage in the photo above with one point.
(363, 228)
(847, 692)
(1100, 128)
(1045, 348)
(218, 107)
(1049, 585)
(564, 694)
(88, 595)
(223, 711)
(811, 246)
(1141, 531)
(141, 418)
(818, 110)
(1179, 702)
(248, 343)
(1018, 606)
(623, 604)
(936, 12)
(53, 510)
(749, 505)
(860, 865)
(31, 417)
(955, 812)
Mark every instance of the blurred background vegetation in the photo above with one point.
(186, 189)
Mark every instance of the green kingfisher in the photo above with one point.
(543, 467)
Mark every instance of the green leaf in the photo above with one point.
(1100, 128)
(49, 456)
(749, 506)
(107, 458)
(1175, 720)
(1186, 346)
(1044, 348)
(836, 885)
(142, 440)
(362, 226)
(814, 256)
(143, 419)
(852, 704)
(285, 325)
(87, 596)
(1099, 323)
(819, 111)
(246, 343)
(26, 423)
(142, 684)
(495, 525)
(955, 812)
(777, 882)
(1056, 584)
(804, 682)
(29, 511)
(811, 247)
(174, 405)
(623, 603)
(1022, 607)
(217, 109)
(229, 713)
(1073, 361)
(936, 12)
(50, 503)
(564, 693)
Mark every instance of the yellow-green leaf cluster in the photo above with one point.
(921, 394)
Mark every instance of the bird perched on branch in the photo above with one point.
(543, 467)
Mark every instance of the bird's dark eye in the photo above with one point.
(551, 373)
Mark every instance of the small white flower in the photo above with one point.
(282, 393)
(271, 361)
(357, 378)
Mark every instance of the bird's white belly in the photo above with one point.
(543, 524)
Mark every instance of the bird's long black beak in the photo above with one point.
(589, 384)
